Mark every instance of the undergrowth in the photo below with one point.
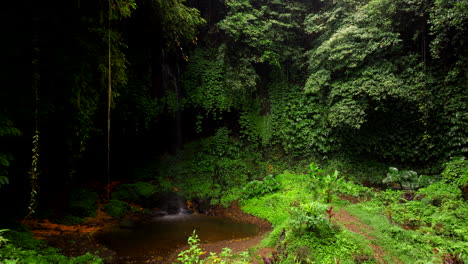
(21, 248)
(300, 212)
(423, 223)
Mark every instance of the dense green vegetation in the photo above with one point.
(423, 226)
(280, 105)
(21, 247)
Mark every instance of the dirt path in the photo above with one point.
(355, 225)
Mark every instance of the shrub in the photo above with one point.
(116, 208)
(194, 253)
(309, 217)
(456, 173)
(3, 240)
(439, 192)
(82, 202)
(23, 248)
(139, 192)
(406, 179)
(255, 188)
(323, 186)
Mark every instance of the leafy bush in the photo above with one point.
(254, 188)
(406, 179)
(439, 192)
(139, 192)
(274, 206)
(116, 208)
(323, 186)
(222, 145)
(356, 168)
(7, 129)
(230, 196)
(456, 173)
(193, 255)
(309, 217)
(213, 168)
(83, 202)
(356, 190)
(3, 240)
(14, 255)
(22, 248)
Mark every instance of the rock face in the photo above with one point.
(203, 206)
(171, 204)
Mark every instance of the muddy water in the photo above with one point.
(164, 234)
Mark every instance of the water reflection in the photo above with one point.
(169, 232)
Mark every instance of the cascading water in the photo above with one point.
(182, 207)
(167, 233)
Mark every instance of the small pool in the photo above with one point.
(164, 234)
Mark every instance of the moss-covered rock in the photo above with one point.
(139, 192)
(116, 208)
(70, 220)
(82, 203)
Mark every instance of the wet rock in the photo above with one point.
(171, 203)
(159, 213)
(186, 211)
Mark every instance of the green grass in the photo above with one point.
(317, 241)
(409, 245)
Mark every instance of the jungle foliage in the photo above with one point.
(21, 247)
(423, 225)
(306, 79)
(347, 76)
(221, 90)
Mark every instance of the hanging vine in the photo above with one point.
(109, 101)
(34, 171)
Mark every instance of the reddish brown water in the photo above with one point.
(164, 234)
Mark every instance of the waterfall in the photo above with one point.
(181, 205)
